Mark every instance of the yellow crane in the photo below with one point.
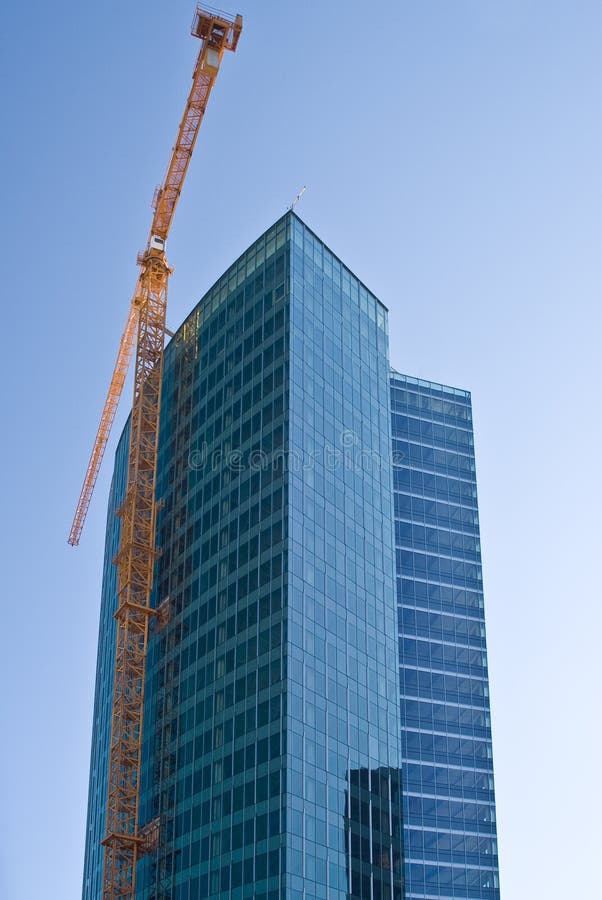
(125, 840)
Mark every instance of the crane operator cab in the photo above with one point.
(156, 243)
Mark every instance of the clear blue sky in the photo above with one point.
(453, 153)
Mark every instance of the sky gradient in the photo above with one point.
(452, 153)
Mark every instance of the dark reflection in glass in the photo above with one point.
(373, 834)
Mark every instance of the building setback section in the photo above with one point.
(447, 769)
(271, 743)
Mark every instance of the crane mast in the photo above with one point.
(125, 840)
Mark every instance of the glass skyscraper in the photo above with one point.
(447, 770)
(271, 759)
(316, 704)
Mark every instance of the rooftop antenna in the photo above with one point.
(298, 197)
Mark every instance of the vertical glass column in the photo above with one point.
(343, 799)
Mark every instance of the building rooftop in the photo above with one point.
(431, 385)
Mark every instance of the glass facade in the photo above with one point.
(343, 755)
(447, 770)
(271, 749)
